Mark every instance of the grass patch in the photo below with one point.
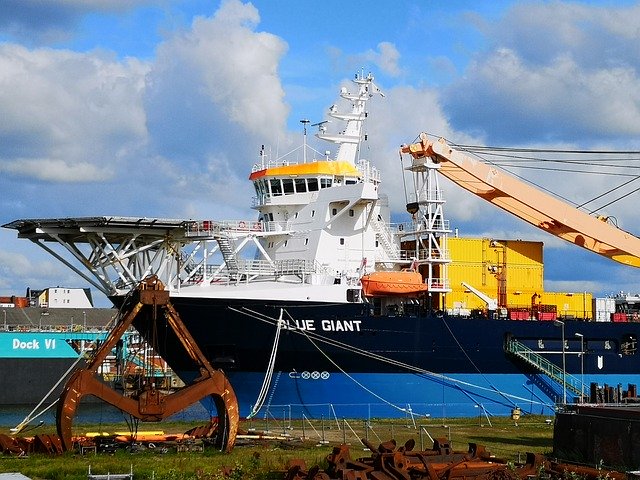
(264, 458)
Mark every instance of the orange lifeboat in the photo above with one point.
(406, 283)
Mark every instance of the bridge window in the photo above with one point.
(325, 182)
(276, 187)
(301, 185)
(312, 183)
(287, 186)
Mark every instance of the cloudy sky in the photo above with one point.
(158, 108)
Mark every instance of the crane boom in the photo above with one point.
(532, 205)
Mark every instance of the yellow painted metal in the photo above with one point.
(519, 265)
(310, 168)
(508, 270)
(569, 304)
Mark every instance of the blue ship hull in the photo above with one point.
(346, 361)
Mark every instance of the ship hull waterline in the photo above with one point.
(345, 360)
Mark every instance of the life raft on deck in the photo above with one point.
(407, 283)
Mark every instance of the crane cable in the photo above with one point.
(475, 150)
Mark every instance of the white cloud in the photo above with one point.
(225, 62)
(386, 58)
(556, 72)
(67, 110)
(18, 271)
(50, 170)
(213, 98)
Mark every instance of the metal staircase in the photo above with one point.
(536, 360)
(228, 253)
(384, 235)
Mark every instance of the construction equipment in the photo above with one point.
(530, 204)
(148, 403)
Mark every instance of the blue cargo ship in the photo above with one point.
(322, 307)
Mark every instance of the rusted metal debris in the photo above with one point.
(52, 443)
(390, 462)
(21, 447)
(150, 404)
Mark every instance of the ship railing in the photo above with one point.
(424, 256)
(407, 228)
(279, 267)
(370, 174)
(438, 285)
(249, 268)
(213, 228)
(430, 195)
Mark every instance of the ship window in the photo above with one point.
(306, 241)
(341, 241)
(351, 213)
(276, 186)
(271, 216)
(334, 211)
(285, 242)
(301, 185)
(287, 185)
(313, 213)
(312, 183)
(325, 182)
(261, 187)
(350, 182)
(353, 295)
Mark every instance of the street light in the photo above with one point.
(581, 365)
(560, 323)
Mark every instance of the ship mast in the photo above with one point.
(349, 139)
(430, 229)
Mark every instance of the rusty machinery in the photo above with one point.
(149, 404)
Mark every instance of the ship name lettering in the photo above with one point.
(341, 325)
(308, 325)
(31, 345)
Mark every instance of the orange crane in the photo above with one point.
(534, 206)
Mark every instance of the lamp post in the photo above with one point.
(560, 323)
(581, 336)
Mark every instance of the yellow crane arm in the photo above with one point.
(534, 206)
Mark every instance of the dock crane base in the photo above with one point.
(151, 405)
